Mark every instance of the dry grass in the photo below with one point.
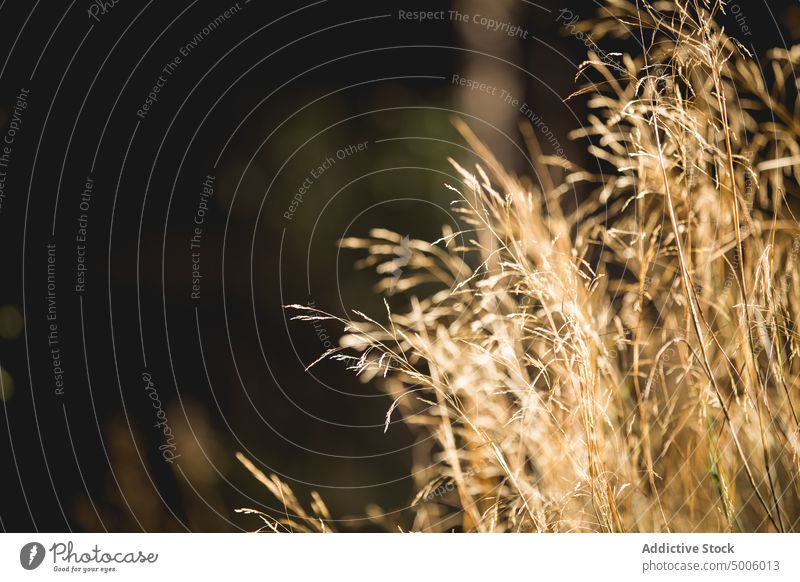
(294, 517)
(629, 363)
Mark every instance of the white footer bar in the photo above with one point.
(402, 557)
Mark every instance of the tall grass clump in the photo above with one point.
(627, 361)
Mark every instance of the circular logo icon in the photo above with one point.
(31, 555)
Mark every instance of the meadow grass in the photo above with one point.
(627, 362)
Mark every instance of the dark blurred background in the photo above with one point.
(162, 387)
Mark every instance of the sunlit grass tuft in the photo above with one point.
(629, 364)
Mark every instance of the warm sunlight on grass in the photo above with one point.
(629, 361)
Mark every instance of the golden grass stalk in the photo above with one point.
(629, 363)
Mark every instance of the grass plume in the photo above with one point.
(629, 362)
